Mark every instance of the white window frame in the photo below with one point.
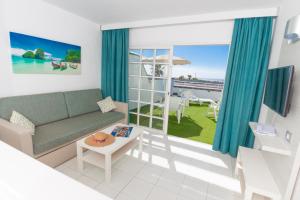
(167, 78)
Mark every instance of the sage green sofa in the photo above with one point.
(61, 119)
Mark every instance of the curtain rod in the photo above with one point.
(208, 17)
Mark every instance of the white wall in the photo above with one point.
(284, 54)
(37, 18)
(199, 33)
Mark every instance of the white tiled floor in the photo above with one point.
(171, 168)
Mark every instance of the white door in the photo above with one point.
(149, 85)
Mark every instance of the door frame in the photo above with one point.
(168, 85)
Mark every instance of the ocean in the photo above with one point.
(34, 66)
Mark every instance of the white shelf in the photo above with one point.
(256, 174)
(274, 144)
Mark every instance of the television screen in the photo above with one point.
(278, 89)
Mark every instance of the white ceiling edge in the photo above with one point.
(216, 16)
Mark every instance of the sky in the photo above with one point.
(26, 42)
(207, 61)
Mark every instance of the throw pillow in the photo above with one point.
(106, 105)
(19, 119)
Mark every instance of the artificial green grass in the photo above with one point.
(195, 124)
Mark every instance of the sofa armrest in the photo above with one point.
(16, 136)
(122, 107)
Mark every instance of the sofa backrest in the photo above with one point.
(82, 101)
(40, 108)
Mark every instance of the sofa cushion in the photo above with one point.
(82, 101)
(61, 132)
(39, 109)
(106, 104)
(20, 120)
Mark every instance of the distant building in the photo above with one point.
(199, 88)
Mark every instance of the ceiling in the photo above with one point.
(114, 11)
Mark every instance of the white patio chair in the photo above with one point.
(177, 105)
(190, 96)
(216, 107)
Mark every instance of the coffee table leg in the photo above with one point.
(79, 158)
(108, 167)
(140, 145)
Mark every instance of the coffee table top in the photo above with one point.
(119, 142)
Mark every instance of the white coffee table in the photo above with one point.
(104, 157)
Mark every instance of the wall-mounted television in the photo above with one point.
(278, 89)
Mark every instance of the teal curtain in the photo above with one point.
(244, 83)
(114, 74)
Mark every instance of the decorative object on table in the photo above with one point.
(122, 131)
(292, 30)
(21, 120)
(33, 55)
(104, 157)
(106, 105)
(265, 129)
(100, 139)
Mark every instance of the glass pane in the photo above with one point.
(147, 69)
(157, 124)
(162, 56)
(159, 97)
(147, 55)
(132, 106)
(160, 84)
(161, 70)
(146, 83)
(134, 55)
(158, 110)
(144, 121)
(133, 118)
(134, 69)
(133, 82)
(133, 94)
(145, 108)
(145, 96)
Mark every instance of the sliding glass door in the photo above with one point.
(149, 72)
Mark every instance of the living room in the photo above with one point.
(86, 92)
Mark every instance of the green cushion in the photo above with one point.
(52, 135)
(39, 108)
(82, 101)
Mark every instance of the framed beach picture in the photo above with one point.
(33, 55)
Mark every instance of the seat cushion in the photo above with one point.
(61, 132)
(82, 101)
(39, 109)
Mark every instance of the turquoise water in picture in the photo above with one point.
(33, 55)
(34, 66)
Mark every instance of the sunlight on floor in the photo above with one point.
(211, 177)
(199, 156)
(190, 143)
(208, 176)
(168, 168)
